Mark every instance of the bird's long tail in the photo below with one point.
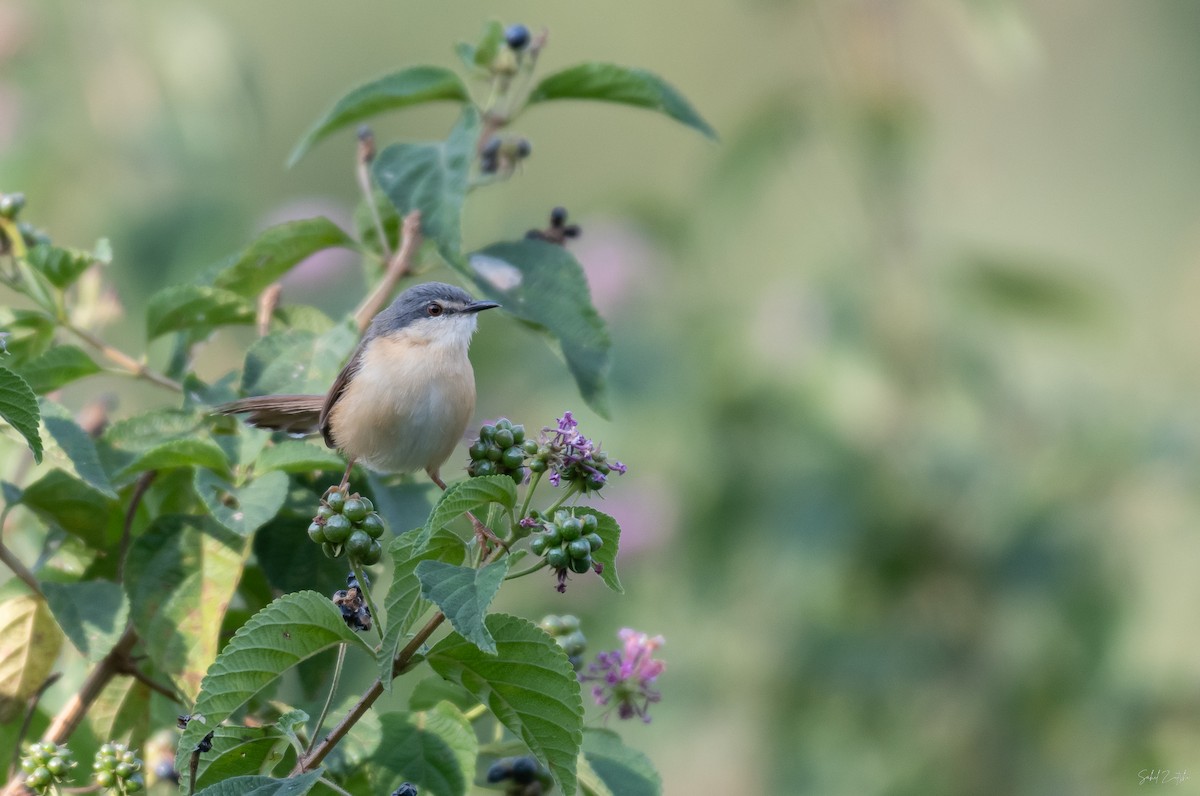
(297, 415)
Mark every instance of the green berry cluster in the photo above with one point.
(565, 630)
(501, 449)
(348, 524)
(45, 765)
(568, 542)
(117, 768)
(11, 205)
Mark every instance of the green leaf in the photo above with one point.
(276, 251)
(291, 562)
(606, 556)
(464, 594)
(404, 605)
(77, 508)
(264, 786)
(122, 712)
(434, 750)
(479, 57)
(63, 266)
(19, 407)
(180, 576)
(297, 362)
(469, 495)
(431, 690)
(56, 368)
(401, 89)
(289, 630)
(622, 770)
(29, 645)
(78, 446)
(432, 178)
(528, 685)
(147, 430)
(611, 83)
(246, 509)
(1027, 289)
(543, 285)
(295, 456)
(194, 452)
(195, 307)
(238, 751)
(91, 613)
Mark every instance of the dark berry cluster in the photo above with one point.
(45, 765)
(567, 543)
(118, 769)
(503, 153)
(559, 230)
(565, 630)
(524, 775)
(405, 789)
(354, 608)
(349, 524)
(501, 449)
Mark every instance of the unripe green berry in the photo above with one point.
(355, 510)
(573, 643)
(553, 534)
(123, 770)
(373, 554)
(518, 431)
(367, 502)
(40, 778)
(494, 453)
(581, 565)
(529, 446)
(478, 450)
(486, 432)
(336, 501)
(520, 474)
(594, 540)
(57, 766)
(561, 516)
(358, 544)
(135, 784)
(105, 779)
(504, 438)
(316, 532)
(579, 548)
(572, 528)
(538, 466)
(331, 551)
(337, 529)
(324, 512)
(513, 457)
(484, 468)
(590, 523)
(28, 764)
(557, 558)
(537, 545)
(373, 524)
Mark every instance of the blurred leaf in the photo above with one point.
(471, 495)
(434, 750)
(463, 594)
(432, 178)
(289, 630)
(91, 613)
(431, 690)
(63, 266)
(76, 507)
(401, 89)
(195, 307)
(31, 334)
(264, 786)
(528, 685)
(19, 407)
(291, 561)
(122, 712)
(56, 368)
(623, 770)
(405, 504)
(403, 605)
(276, 251)
(479, 57)
(364, 224)
(301, 317)
(296, 362)
(611, 83)
(194, 452)
(543, 285)
(606, 556)
(245, 509)
(29, 645)
(146, 430)
(1034, 290)
(180, 576)
(751, 158)
(78, 446)
(295, 456)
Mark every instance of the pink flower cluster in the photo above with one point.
(626, 676)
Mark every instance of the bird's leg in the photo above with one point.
(482, 532)
(346, 477)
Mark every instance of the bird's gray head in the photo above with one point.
(431, 311)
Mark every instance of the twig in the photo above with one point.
(333, 787)
(337, 675)
(119, 357)
(20, 570)
(129, 667)
(268, 300)
(362, 170)
(34, 698)
(400, 265)
(139, 490)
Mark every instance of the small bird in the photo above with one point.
(403, 400)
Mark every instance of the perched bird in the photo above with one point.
(403, 400)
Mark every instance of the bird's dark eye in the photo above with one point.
(434, 309)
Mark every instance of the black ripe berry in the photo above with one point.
(517, 36)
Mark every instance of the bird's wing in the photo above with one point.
(339, 387)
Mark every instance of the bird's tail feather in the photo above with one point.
(296, 415)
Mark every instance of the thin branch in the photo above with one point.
(400, 265)
(337, 675)
(139, 490)
(130, 667)
(268, 300)
(20, 570)
(362, 170)
(120, 358)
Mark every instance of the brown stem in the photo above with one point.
(268, 300)
(20, 570)
(400, 265)
(139, 490)
(122, 359)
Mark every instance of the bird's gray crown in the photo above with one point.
(412, 305)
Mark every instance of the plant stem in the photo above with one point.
(377, 620)
(533, 484)
(362, 170)
(400, 265)
(333, 787)
(126, 362)
(337, 675)
(514, 575)
(475, 712)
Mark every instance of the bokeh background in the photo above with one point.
(905, 367)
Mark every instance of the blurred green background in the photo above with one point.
(905, 368)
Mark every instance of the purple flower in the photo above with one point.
(626, 676)
(574, 458)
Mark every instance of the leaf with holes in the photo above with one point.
(19, 407)
(464, 594)
(276, 251)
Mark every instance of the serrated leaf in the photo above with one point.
(432, 178)
(403, 604)
(180, 576)
(606, 556)
(92, 614)
(277, 250)
(434, 750)
(122, 712)
(264, 786)
(241, 751)
(469, 495)
(79, 509)
(623, 85)
(19, 407)
(291, 629)
(195, 452)
(622, 770)
(62, 266)
(57, 367)
(401, 89)
(79, 447)
(195, 307)
(464, 594)
(431, 690)
(544, 285)
(296, 362)
(294, 456)
(246, 509)
(528, 685)
(29, 645)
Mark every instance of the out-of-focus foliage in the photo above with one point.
(907, 360)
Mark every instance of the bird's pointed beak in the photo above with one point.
(480, 306)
